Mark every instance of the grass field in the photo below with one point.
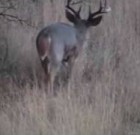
(102, 95)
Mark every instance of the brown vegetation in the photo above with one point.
(102, 96)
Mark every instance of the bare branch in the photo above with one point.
(14, 18)
(5, 13)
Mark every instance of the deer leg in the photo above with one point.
(45, 64)
(71, 64)
(51, 83)
(50, 75)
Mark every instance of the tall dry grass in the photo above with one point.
(102, 95)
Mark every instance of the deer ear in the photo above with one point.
(94, 21)
(71, 17)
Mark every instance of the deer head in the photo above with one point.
(93, 18)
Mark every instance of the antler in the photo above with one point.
(102, 9)
(77, 13)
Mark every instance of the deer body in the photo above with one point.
(59, 44)
(61, 39)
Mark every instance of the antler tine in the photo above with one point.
(77, 2)
(68, 6)
(77, 13)
(68, 2)
(102, 9)
(97, 12)
(89, 10)
(107, 8)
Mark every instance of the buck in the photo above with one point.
(59, 44)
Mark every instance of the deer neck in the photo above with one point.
(81, 34)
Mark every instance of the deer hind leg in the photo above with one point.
(68, 64)
(52, 78)
(69, 60)
(45, 65)
(50, 75)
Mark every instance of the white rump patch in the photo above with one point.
(49, 40)
(44, 56)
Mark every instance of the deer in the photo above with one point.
(59, 44)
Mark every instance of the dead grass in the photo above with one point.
(66, 113)
(99, 108)
(102, 96)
